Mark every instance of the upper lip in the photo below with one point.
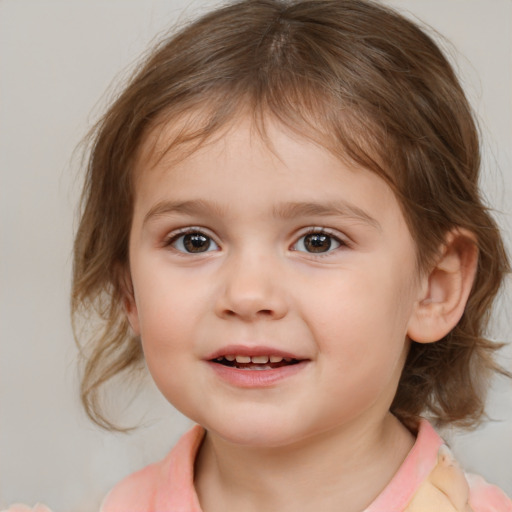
(256, 350)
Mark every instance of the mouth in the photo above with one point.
(255, 367)
(259, 362)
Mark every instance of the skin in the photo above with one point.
(346, 313)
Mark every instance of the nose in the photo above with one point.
(252, 288)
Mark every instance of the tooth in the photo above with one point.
(259, 359)
(287, 359)
(243, 359)
(230, 357)
(275, 359)
(219, 359)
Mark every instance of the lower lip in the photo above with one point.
(256, 378)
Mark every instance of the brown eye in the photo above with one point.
(317, 243)
(194, 243)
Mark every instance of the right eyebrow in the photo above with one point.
(192, 207)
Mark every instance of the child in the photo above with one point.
(281, 215)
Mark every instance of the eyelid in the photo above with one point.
(334, 233)
(187, 229)
(174, 235)
(343, 240)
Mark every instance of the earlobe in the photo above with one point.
(129, 304)
(445, 289)
(132, 314)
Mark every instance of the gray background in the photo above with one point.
(57, 59)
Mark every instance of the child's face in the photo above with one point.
(240, 251)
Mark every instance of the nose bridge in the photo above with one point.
(253, 285)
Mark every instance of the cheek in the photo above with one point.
(166, 337)
(364, 321)
(167, 299)
(172, 312)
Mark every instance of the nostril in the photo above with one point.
(261, 312)
(250, 306)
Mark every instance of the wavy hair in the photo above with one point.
(352, 75)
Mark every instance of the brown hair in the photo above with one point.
(354, 76)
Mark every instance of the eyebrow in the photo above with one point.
(288, 210)
(326, 209)
(192, 207)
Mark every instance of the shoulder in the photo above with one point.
(431, 479)
(485, 497)
(166, 483)
(135, 492)
(453, 490)
(450, 489)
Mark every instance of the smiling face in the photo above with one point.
(272, 289)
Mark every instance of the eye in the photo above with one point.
(317, 242)
(193, 242)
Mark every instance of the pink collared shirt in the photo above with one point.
(428, 480)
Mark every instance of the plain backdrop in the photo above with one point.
(58, 63)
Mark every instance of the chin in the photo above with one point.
(260, 433)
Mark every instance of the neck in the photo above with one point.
(348, 467)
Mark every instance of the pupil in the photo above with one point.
(196, 242)
(317, 242)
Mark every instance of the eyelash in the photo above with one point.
(325, 232)
(174, 238)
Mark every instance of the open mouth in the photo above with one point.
(242, 362)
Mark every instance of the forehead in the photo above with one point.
(242, 160)
(171, 140)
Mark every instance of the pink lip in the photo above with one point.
(244, 350)
(256, 378)
(245, 378)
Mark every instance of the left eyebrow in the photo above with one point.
(329, 209)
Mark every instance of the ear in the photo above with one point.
(445, 289)
(128, 298)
